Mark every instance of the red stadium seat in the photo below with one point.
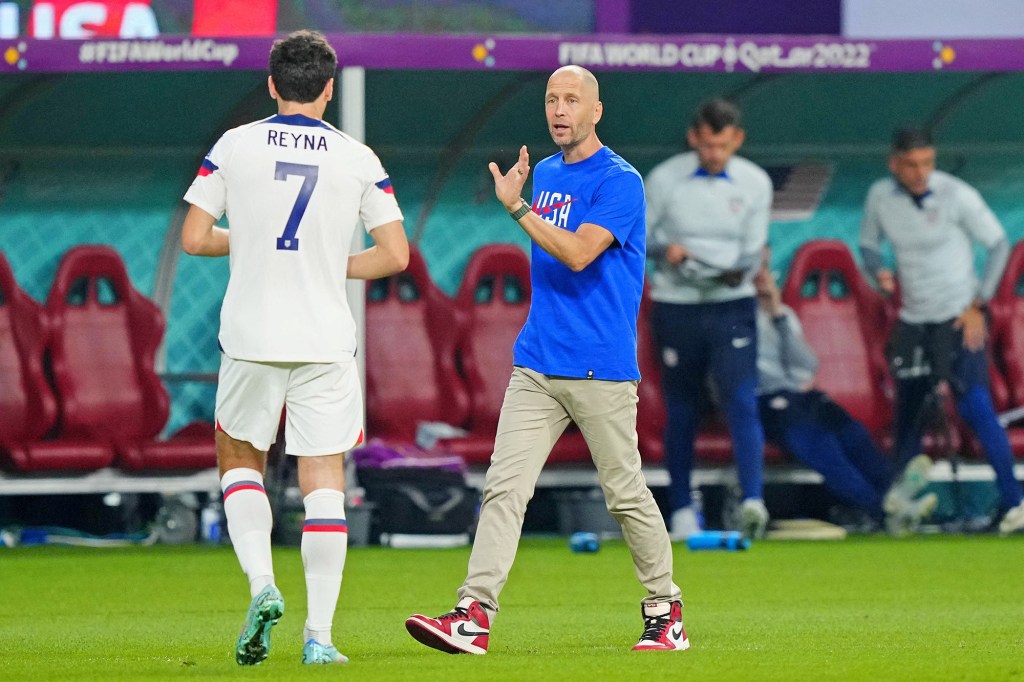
(1007, 307)
(411, 330)
(28, 409)
(104, 338)
(846, 323)
(1007, 343)
(494, 300)
(650, 416)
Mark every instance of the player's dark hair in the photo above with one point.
(718, 114)
(905, 139)
(301, 65)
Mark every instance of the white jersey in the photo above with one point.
(932, 242)
(722, 221)
(294, 190)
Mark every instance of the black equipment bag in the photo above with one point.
(419, 500)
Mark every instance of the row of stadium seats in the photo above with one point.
(78, 390)
(454, 356)
(432, 358)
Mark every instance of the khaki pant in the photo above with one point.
(535, 412)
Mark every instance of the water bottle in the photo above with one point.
(583, 542)
(729, 540)
(210, 520)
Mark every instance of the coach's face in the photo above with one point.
(715, 149)
(572, 108)
(912, 168)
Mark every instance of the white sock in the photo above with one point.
(324, 545)
(250, 521)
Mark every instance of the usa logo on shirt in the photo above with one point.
(554, 207)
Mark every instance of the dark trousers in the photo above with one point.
(922, 355)
(822, 435)
(695, 341)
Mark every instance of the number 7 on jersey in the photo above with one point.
(288, 241)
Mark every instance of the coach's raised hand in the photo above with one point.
(509, 187)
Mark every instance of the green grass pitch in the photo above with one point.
(868, 608)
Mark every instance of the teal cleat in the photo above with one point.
(266, 609)
(315, 653)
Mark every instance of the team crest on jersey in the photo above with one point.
(932, 216)
(554, 207)
(736, 204)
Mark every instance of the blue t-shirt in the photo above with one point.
(583, 324)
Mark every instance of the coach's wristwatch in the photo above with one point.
(521, 211)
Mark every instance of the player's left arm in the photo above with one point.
(208, 198)
(200, 235)
(388, 255)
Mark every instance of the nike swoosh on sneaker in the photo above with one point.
(676, 633)
(469, 633)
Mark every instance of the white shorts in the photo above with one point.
(324, 404)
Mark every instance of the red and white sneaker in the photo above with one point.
(463, 630)
(663, 627)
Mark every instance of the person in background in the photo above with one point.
(707, 220)
(575, 359)
(818, 432)
(295, 190)
(932, 220)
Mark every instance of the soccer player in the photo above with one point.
(707, 220)
(932, 220)
(294, 189)
(814, 429)
(575, 359)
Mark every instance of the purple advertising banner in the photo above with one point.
(597, 52)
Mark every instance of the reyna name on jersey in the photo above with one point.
(286, 138)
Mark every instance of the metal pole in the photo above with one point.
(353, 122)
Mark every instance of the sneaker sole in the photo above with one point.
(326, 661)
(683, 646)
(254, 643)
(428, 636)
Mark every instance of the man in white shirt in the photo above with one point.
(294, 190)
(932, 221)
(707, 221)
